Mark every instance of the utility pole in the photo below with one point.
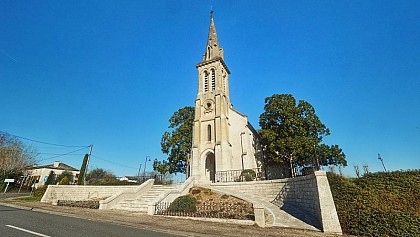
(87, 164)
(380, 158)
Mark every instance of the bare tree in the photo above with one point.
(14, 155)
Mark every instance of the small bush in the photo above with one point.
(248, 174)
(195, 191)
(185, 203)
(39, 192)
(208, 191)
(64, 181)
(225, 196)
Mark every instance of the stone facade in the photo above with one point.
(223, 139)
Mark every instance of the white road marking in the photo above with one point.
(27, 231)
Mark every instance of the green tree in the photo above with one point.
(177, 142)
(292, 134)
(99, 175)
(65, 174)
(82, 174)
(51, 178)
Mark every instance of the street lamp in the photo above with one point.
(145, 162)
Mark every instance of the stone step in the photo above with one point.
(141, 203)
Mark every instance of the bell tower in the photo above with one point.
(211, 145)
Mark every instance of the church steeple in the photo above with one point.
(213, 49)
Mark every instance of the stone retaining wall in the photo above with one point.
(80, 193)
(310, 195)
(267, 189)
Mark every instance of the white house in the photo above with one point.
(41, 173)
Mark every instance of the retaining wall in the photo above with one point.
(310, 194)
(267, 189)
(80, 193)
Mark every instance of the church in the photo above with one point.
(224, 142)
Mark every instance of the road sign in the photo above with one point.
(8, 181)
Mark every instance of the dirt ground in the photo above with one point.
(180, 226)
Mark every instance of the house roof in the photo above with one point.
(131, 177)
(60, 166)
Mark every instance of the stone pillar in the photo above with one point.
(326, 209)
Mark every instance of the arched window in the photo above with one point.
(213, 80)
(209, 133)
(206, 81)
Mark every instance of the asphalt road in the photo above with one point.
(10, 195)
(17, 222)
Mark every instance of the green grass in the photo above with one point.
(29, 199)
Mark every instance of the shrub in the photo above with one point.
(248, 174)
(51, 178)
(39, 192)
(64, 181)
(378, 204)
(185, 203)
(195, 191)
(225, 196)
(65, 174)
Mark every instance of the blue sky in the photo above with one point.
(111, 73)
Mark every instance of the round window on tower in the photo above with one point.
(208, 105)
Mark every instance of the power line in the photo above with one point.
(114, 162)
(47, 143)
(60, 154)
(64, 154)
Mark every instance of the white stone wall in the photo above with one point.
(267, 189)
(79, 193)
(310, 194)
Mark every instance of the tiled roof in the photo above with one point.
(60, 166)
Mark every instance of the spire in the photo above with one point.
(212, 48)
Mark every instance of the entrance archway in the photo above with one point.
(210, 167)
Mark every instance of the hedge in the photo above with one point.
(379, 204)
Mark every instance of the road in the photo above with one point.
(18, 222)
(10, 195)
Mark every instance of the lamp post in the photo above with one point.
(145, 162)
(380, 158)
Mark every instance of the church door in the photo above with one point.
(210, 167)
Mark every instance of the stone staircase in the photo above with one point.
(141, 203)
(263, 193)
